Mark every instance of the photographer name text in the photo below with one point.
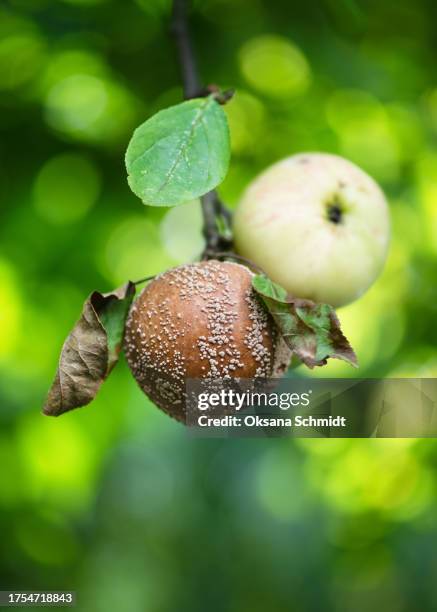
(229, 400)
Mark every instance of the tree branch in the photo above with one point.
(212, 207)
(187, 61)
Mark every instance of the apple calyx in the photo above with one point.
(335, 213)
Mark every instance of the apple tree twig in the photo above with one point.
(212, 207)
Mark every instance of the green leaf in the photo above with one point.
(312, 331)
(112, 309)
(90, 351)
(265, 287)
(180, 153)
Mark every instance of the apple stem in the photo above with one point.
(144, 280)
(213, 209)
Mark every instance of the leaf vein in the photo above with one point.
(185, 142)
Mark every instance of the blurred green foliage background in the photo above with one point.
(116, 500)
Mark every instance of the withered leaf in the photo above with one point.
(312, 331)
(90, 351)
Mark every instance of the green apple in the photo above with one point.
(317, 225)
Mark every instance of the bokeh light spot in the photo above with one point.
(426, 177)
(181, 232)
(365, 133)
(21, 56)
(70, 62)
(58, 460)
(85, 106)
(76, 102)
(275, 66)
(10, 309)
(245, 116)
(134, 250)
(381, 475)
(66, 187)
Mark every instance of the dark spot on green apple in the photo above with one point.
(335, 213)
